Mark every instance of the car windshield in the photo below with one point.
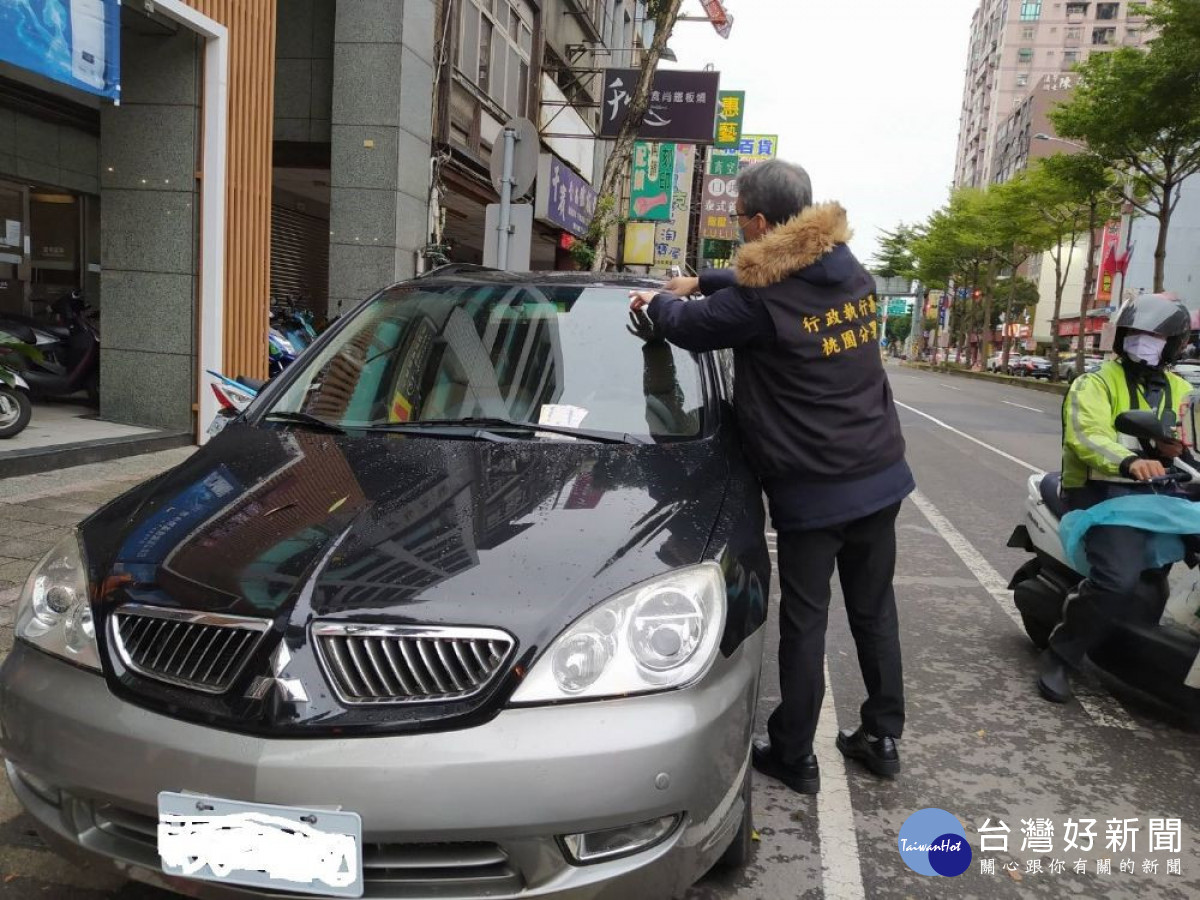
(446, 352)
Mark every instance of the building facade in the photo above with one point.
(1013, 47)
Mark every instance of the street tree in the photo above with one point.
(894, 258)
(664, 14)
(1140, 112)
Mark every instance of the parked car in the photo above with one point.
(1189, 372)
(1067, 368)
(481, 571)
(1031, 367)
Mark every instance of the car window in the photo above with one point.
(450, 351)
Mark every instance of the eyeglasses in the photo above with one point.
(739, 216)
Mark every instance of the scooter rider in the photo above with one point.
(1100, 464)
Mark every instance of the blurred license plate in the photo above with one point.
(315, 851)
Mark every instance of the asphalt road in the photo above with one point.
(979, 743)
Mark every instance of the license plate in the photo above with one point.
(314, 851)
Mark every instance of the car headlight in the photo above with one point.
(55, 611)
(659, 635)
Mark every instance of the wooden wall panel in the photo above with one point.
(251, 25)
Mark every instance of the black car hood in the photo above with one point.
(296, 527)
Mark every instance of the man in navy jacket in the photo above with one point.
(819, 425)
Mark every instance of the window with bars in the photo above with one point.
(1031, 10)
(1025, 55)
(495, 48)
(1104, 36)
(1028, 32)
(1107, 11)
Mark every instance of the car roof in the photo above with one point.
(464, 273)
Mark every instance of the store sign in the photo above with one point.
(751, 150)
(683, 105)
(639, 244)
(564, 198)
(671, 238)
(717, 214)
(731, 107)
(76, 42)
(652, 178)
(1070, 327)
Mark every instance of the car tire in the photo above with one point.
(740, 849)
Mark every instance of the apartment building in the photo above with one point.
(1014, 47)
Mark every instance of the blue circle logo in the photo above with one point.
(932, 842)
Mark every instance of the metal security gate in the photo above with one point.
(299, 259)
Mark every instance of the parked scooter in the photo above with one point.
(295, 323)
(70, 349)
(1158, 653)
(233, 395)
(281, 352)
(15, 407)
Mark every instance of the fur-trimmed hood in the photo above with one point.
(792, 246)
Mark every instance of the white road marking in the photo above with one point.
(841, 870)
(950, 386)
(1101, 708)
(1019, 406)
(973, 440)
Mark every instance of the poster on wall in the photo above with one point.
(76, 42)
(652, 174)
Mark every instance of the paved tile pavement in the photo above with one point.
(37, 511)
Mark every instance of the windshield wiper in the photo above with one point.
(302, 418)
(599, 437)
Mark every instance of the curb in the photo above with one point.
(63, 456)
(1030, 384)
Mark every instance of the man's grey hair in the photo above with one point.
(777, 189)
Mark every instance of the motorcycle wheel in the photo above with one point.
(15, 412)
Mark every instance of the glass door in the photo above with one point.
(14, 257)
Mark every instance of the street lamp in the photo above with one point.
(1042, 136)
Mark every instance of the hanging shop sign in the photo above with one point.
(683, 105)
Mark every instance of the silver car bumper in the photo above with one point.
(493, 799)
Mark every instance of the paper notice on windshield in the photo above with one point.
(560, 416)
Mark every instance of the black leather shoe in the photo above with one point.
(880, 756)
(804, 778)
(1053, 679)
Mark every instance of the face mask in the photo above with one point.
(1145, 348)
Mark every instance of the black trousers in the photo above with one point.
(1109, 596)
(864, 552)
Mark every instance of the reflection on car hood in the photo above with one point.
(293, 526)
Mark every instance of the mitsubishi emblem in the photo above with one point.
(291, 690)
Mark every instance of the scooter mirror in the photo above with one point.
(1146, 426)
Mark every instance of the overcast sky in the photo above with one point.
(865, 94)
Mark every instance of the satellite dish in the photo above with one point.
(525, 157)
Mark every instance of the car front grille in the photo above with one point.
(403, 664)
(470, 869)
(201, 651)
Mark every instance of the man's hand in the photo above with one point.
(1145, 469)
(639, 300)
(1169, 449)
(683, 286)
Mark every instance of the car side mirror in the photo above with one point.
(1147, 426)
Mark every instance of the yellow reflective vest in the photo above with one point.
(1092, 447)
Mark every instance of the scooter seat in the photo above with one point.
(19, 331)
(1052, 495)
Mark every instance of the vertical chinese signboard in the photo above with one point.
(564, 199)
(717, 219)
(1104, 284)
(671, 237)
(731, 106)
(652, 180)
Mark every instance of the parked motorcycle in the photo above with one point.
(15, 408)
(233, 395)
(1158, 653)
(295, 323)
(70, 349)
